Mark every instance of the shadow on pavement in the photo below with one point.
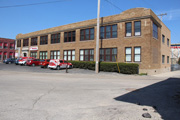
(163, 96)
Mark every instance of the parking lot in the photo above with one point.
(33, 93)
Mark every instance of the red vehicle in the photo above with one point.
(33, 62)
(58, 64)
(44, 63)
(22, 60)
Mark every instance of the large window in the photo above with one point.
(128, 29)
(25, 42)
(43, 40)
(55, 54)
(70, 36)
(1, 45)
(87, 55)
(137, 28)
(109, 31)
(168, 59)
(55, 38)
(18, 43)
(0, 55)
(11, 45)
(5, 55)
(167, 42)
(128, 53)
(87, 34)
(163, 58)
(163, 38)
(5, 45)
(108, 54)
(11, 55)
(33, 41)
(137, 54)
(155, 31)
(34, 54)
(43, 55)
(69, 54)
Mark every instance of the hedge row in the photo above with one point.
(125, 68)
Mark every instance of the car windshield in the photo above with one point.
(42, 60)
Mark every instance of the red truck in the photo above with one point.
(44, 63)
(33, 62)
(58, 64)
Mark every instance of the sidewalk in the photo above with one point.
(169, 74)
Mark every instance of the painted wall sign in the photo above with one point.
(33, 48)
(175, 47)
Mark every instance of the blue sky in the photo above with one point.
(27, 19)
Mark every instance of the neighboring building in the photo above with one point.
(135, 36)
(175, 53)
(6, 48)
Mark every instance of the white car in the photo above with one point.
(58, 64)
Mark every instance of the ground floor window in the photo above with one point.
(108, 54)
(11, 55)
(128, 54)
(5, 56)
(69, 54)
(87, 55)
(43, 55)
(163, 58)
(167, 59)
(55, 54)
(137, 54)
(0, 55)
(34, 54)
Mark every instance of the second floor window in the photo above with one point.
(137, 28)
(155, 31)
(128, 29)
(5, 45)
(1, 45)
(167, 42)
(163, 58)
(70, 36)
(163, 39)
(43, 40)
(25, 42)
(18, 43)
(109, 31)
(87, 34)
(11, 45)
(168, 59)
(11, 55)
(33, 41)
(55, 38)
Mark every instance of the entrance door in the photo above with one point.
(25, 54)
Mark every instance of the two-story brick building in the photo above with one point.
(6, 48)
(135, 36)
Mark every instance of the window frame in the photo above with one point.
(34, 41)
(126, 29)
(43, 55)
(137, 54)
(111, 31)
(69, 55)
(167, 59)
(52, 56)
(135, 28)
(32, 54)
(163, 59)
(89, 55)
(85, 35)
(1, 47)
(128, 54)
(168, 42)
(110, 55)
(70, 32)
(18, 43)
(44, 40)
(26, 42)
(154, 35)
(55, 38)
(163, 38)
(5, 47)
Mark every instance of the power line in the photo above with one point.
(114, 5)
(33, 4)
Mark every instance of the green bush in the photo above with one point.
(125, 68)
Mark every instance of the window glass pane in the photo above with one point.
(128, 58)
(87, 31)
(108, 35)
(108, 58)
(114, 34)
(102, 29)
(137, 50)
(86, 52)
(102, 58)
(69, 52)
(114, 51)
(92, 37)
(73, 52)
(108, 28)
(58, 52)
(58, 57)
(81, 52)
(137, 58)
(69, 57)
(86, 58)
(108, 51)
(73, 57)
(54, 52)
(65, 52)
(91, 58)
(54, 57)
(81, 58)
(65, 57)
(102, 51)
(92, 30)
(128, 50)
(114, 28)
(114, 58)
(91, 52)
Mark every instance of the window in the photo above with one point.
(163, 38)
(43, 40)
(1, 45)
(128, 54)
(55, 54)
(168, 59)
(137, 28)
(11, 55)
(33, 41)
(155, 31)
(11, 45)
(137, 54)
(43, 55)
(109, 31)
(87, 34)
(55, 38)
(69, 54)
(34, 54)
(128, 29)
(163, 58)
(5, 45)
(167, 42)
(70, 36)
(18, 43)
(108, 54)
(0, 55)
(5, 56)
(25, 42)
(87, 55)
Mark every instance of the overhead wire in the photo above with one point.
(114, 5)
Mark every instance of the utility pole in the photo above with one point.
(162, 15)
(97, 39)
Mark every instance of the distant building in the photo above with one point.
(175, 53)
(134, 36)
(7, 48)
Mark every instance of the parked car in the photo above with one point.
(33, 62)
(9, 60)
(17, 60)
(44, 63)
(58, 64)
(24, 60)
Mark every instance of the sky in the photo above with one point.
(25, 19)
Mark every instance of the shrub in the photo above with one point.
(125, 68)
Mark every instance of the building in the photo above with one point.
(135, 36)
(175, 53)
(6, 48)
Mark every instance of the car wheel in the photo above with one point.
(58, 68)
(33, 65)
(25, 64)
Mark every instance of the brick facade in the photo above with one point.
(151, 48)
